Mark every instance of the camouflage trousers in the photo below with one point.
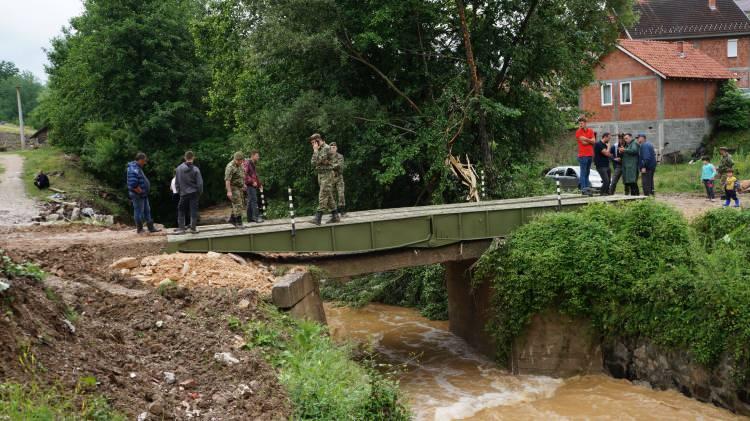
(339, 188)
(238, 202)
(326, 181)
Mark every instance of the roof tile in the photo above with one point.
(674, 19)
(676, 59)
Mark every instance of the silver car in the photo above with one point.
(569, 177)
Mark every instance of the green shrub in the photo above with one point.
(418, 287)
(634, 270)
(19, 270)
(731, 107)
(321, 377)
(715, 225)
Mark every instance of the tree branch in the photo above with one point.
(386, 123)
(516, 39)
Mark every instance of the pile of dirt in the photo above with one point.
(154, 356)
(199, 270)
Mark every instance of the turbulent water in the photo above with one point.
(445, 379)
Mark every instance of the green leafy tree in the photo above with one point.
(125, 78)
(731, 107)
(10, 77)
(396, 83)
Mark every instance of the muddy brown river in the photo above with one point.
(445, 379)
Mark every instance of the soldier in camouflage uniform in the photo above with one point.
(725, 164)
(322, 160)
(338, 173)
(234, 180)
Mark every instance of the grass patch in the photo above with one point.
(321, 377)
(686, 178)
(652, 276)
(15, 129)
(738, 140)
(78, 184)
(33, 402)
(420, 287)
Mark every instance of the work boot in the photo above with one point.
(152, 228)
(139, 228)
(334, 218)
(238, 221)
(342, 211)
(194, 230)
(317, 218)
(260, 219)
(179, 231)
(232, 221)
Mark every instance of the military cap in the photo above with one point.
(239, 155)
(723, 148)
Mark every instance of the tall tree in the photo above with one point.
(125, 78)
(388, 81)
(10, 78)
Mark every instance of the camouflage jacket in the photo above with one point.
(338, 164)
(235, 174)
(726, 163)
(322, 160)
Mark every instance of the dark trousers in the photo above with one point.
(648, 182)
(176, 201)
(605, 174)
(188, 203)
(731, 195)
(632, 189)
(709, 184)
(615, 178)
(252, 204)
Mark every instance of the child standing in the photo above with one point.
(730, 189)
(708, 174)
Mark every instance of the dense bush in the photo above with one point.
(731, 107)
(322, 379)
(419, 287)
(635, 270)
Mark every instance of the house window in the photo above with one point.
(732, 48)
(606, 94)
(625, 93)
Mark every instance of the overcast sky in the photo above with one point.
(26, 27)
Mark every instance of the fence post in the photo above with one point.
(291, 213)
(262, 202)
(559, 196)
(484, 192)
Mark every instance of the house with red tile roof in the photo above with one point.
(719, 28)
(662, 89)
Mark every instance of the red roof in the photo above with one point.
(675, 59)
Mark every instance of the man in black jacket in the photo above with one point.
(189, 183)
(601, 161)
(614, 155)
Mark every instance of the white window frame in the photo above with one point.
(630, 92)
(730, 53)
(611, 94)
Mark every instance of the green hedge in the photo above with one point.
(635, 270)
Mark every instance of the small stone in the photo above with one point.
(226, 358)
(219, 399)
(244, 303)
(69, 325)
(169, 377)
(213, 255)
(243, 391)
(132, 375)
(75, 214)
(108, 220)
(88, 212)
(237, 259)
(53, 217)
(124, 271)
(4, 284)
(125, 263)
(143, 416)
(185, 268)
(254, 384)
(187, 384)
(156, 408)
(159, 324)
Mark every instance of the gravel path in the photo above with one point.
(15, 207)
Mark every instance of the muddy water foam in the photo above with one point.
(446, 380)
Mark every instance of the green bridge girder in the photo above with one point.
(384, 229)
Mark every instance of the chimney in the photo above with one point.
(712, 4)
(681, 49)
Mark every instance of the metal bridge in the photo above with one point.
(414, 228)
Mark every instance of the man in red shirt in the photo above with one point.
(586, 139)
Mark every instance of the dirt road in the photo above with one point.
(15, 207)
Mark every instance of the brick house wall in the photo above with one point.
(672, 113)
(716, 48)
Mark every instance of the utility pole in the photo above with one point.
(20, 117)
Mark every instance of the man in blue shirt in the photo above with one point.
(647, 164)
